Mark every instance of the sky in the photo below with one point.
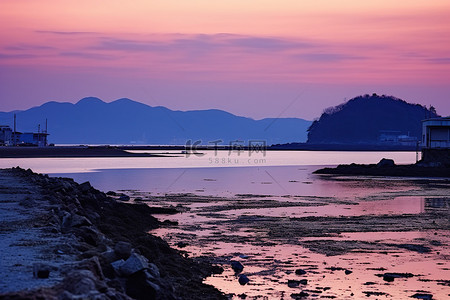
(285, 58)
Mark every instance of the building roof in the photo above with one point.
(437, 119)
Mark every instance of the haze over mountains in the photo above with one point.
(124, 121)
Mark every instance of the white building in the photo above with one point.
(436, 133)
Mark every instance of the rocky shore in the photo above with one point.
(64, 240)
(387, 167)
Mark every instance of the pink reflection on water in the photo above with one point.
(269, 269)
(398, 205)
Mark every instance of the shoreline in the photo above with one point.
(388, 170)
(124, 151)
(76, 151)
(105, 252)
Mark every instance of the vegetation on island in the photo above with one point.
(365, 119)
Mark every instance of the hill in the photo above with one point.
(124, 121)
(370, 120)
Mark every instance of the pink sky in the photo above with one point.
(252, 58)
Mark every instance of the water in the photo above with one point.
(260, 206)
(213, 173)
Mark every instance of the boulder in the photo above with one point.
(92, 264)
(79, 282)
(85, 186)
(133, 264)
(237, 266)
(154, 270)
(138, 287)
(78, 221)
(109, 256)
(116, 265)
(124, 198)
(300, 295)
(243, 280)
(422, 296)
(300, 272)
(293, 283)
(122, 250)
(385, 162)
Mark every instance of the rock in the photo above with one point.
(124, 198)
(109, 256)
(92, 264)
(138, 287)
(79, 282)
(66, 220)
(111, 193)
(89, 235)
(300, 272)
(122, 250)
(237, 266)
(293, 283)
(243, 256)
(182, 244)
(78, 221)
(300, 295)
(133, 264)
(85, 186)
(348, 272)
(41, 270)
(154, 270)
(385, 162)
(304, 281)
(389, 277)
(422, 296)
(116, 265)
(243, 280)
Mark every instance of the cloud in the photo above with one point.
(87, 55)
(17, 56)
(27, 47)
(204, 43)
(439, 60)
(328, 57)
(65, 32)
(268, 44)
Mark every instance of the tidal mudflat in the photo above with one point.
(389, 241)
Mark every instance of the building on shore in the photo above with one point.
(393, 137)
(436, 140)
(5, 135)
(8, 137)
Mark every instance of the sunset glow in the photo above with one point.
(247, 57)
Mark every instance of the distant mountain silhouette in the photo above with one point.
(365, 119)
(124, 121)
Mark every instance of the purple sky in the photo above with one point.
(255, 59)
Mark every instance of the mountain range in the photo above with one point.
(124, 121)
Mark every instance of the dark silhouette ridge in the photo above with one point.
(364, 119)
(124, 121)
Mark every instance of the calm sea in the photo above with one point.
(221, 173)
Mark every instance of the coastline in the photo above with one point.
(390, 170)
(131, 151)
(71, 151)
(81, 243)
